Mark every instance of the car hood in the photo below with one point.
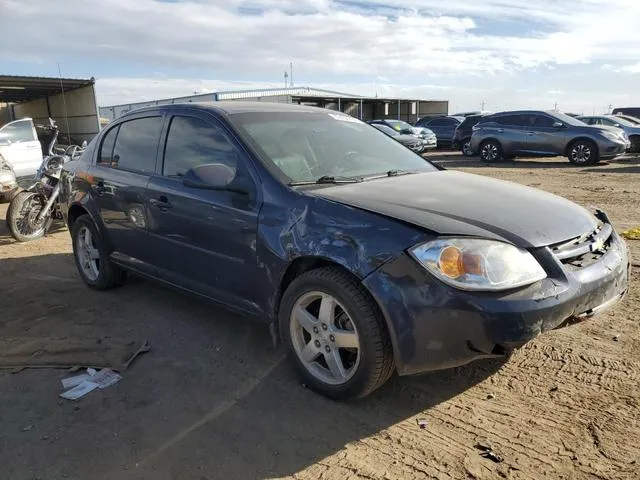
(456, 203)
(407, 139)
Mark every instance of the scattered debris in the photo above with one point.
(79, 385)
(79, 390)
(493, 456)
(616, 337)
(27, 428)
(143, 349)
(490, 396)
(422, 422)
(487, 451)
(632, 234)
(554, 388)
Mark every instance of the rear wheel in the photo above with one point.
(491, 151)
(335, 334)
(22, 217)
(92, 257)
(583, 152)
(466, 147)
(635, 144)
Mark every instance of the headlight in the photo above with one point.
(53, 164)
(477, 264)
(611, 136)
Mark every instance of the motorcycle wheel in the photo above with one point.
(21, 217)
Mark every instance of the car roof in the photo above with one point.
(230, 107)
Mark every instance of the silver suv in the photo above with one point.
(506, 135)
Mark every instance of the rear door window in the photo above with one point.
(541, 121)
(137, 145)
(513, 120)
(105, 156)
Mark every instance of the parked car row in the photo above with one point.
(416, 138)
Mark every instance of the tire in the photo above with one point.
(92, 257)
(491, 151)
(366, 367)
(635, 144)
(583, 152)
(20, 227)
(465, 148)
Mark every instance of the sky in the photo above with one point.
(582, 55)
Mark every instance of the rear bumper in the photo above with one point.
(434, 326)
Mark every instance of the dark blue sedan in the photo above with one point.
(362, 257)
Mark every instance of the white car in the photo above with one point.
(20, 148)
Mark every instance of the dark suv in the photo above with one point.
(443, 127)
(462, 134)
(538, 133)
(362, 257)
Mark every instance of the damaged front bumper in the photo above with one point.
(434, 326)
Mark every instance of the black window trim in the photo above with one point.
(147, 114)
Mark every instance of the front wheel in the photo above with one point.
(335, 334)
(635, 144)
(22, 217)
(583, 152)
(491, 151)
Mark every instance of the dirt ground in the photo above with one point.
(213, 400)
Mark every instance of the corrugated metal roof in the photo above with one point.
(270, 92)
(16, 89)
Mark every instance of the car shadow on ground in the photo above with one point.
(213, 399)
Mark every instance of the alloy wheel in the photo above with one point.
(88, 254)
(489, 152)
(581, 153)
(325, 338)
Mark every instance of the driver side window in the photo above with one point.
(192, 142)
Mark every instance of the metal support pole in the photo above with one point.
(361, 112)
(417, 111)
(339, 105)
(398, 109)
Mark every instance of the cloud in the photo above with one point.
(325, 37)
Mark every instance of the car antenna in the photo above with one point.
(64, 105)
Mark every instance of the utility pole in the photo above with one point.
(291, 76)
(483, 104)
(286, 75)
(555, 106)
(609, 108)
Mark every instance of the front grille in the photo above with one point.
(585, 250)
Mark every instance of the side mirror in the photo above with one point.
(557, 124)
(215, 176)
(406, 131)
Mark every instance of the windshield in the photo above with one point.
(622, 121)
(399, 125)
(567, 119)
(386, 129)
(306, 146)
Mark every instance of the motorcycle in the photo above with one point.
(32, 211)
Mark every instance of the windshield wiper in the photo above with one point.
(327, 179)
(390, 173)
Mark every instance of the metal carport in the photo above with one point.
(70, 102)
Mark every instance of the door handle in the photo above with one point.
(530, 133)
(161, 203)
